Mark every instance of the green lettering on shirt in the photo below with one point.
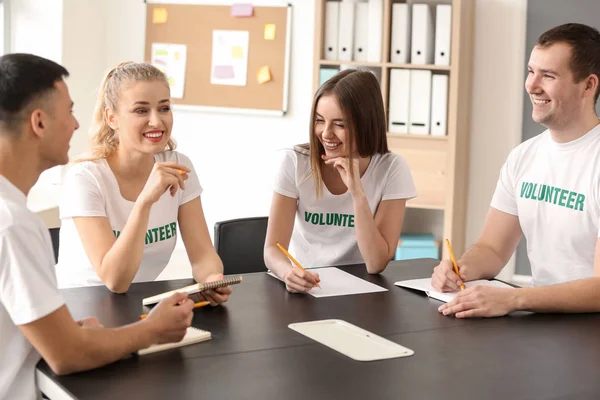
(161, 233)
(331, 219)
(307, 216)
(553, 195)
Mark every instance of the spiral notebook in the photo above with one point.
(193, 335)
(195, 288)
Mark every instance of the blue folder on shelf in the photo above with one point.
(412, 246)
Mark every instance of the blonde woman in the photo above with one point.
(346, 192)
(120, 209)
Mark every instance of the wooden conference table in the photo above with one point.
(254, 355)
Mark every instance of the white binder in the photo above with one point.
(422, 34)
(361, 32)
(346, 32)
(375, 30)
(439, 104)
(420, 102)
(400, 41)
(332, 13)
(443, 32)
(399, 101)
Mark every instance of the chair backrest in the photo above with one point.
(240, 243)
(55, 235)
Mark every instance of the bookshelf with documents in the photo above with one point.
(438, 160)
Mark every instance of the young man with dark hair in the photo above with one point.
(36, 124)
(548, 190)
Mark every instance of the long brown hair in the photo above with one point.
(104, 138)
(359, 97)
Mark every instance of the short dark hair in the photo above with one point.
(24, 79)
(585, 48)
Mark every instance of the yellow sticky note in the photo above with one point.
(159, 16)
(264, 74)
(237, 52)
(270, 32)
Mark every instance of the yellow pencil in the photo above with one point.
(454, 264)
(197, 305)
(288, 255)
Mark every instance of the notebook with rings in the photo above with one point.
(192, 289)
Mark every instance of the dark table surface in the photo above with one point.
(254, 355)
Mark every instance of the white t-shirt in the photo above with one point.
(323, 232)
(554, 190)
(28, 290)
(90, 189)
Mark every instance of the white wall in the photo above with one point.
(36, 27)
(497, 104)
(4, 27)
(84, 55)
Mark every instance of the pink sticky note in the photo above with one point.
(242, 10)
(223, 72)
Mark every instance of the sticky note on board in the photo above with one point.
(237, 52)
(241, 10)
(223, 72)
(270, 32)
(263, 75)
(159, 16)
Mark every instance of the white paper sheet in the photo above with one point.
(171, 59)
(335, 282)
(229, 65)
(424, 285)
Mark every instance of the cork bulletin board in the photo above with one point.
(192, 25)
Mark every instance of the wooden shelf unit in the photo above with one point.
(439, 165)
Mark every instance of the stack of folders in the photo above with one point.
(414, 39)
(418, 100)
(353, 30)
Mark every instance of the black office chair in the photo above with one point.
(55, 235)
(240, 243)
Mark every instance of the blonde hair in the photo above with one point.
(103, 137)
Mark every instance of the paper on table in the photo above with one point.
(192, 335)
(335, 282)
(424, 285)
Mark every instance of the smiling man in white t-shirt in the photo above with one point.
(548, 191)
(36, 125)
